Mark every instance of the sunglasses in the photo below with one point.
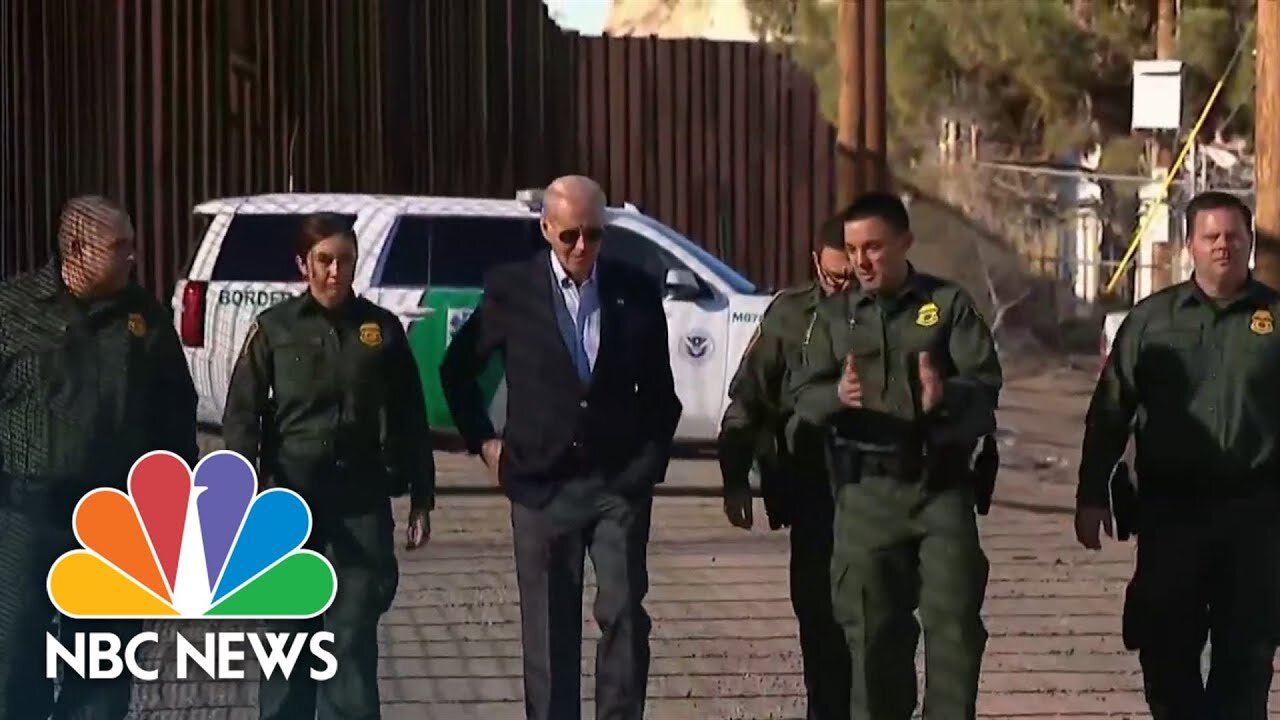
(591, 235)
(830, 278)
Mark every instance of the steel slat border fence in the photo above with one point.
(165, 104)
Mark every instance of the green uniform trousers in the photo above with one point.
(361, 548)
(822, 646)
(901, 546)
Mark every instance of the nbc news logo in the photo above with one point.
(181, 546)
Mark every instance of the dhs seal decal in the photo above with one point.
(697, 345)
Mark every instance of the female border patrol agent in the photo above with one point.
(902, 374)
(326, 399)
(1194, 376)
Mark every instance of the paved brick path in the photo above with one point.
(724, 639)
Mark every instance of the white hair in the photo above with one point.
(573, 187)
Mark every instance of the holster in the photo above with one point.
(986, 466)
(1124, 502)
(268, 450)
(1132, 616)
(843, 459)
(44, 498)
(774, 491)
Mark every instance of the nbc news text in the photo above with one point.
(219, 656)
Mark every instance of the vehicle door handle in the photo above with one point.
(416, 313)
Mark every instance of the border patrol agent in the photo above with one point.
(327, 400)
(92, 377)
(1194, 375)
(902, 374)
(793, 480)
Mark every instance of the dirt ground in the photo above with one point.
(724, 639)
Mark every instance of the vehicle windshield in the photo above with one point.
(259, 247)
(727, 274)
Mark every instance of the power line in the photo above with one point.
(1077, 174)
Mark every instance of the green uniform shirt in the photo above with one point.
(886, 336)
(759, 404)
(1197, 382)
(332, 401)
(86, 388)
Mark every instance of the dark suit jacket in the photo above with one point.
(620, 423)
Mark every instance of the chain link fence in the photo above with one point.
(1039, 246)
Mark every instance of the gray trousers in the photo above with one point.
(551, 544)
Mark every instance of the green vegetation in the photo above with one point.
(1038, 76)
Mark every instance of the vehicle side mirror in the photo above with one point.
(681, 284)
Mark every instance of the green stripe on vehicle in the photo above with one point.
(430, 336)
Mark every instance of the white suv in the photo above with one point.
(423, 258)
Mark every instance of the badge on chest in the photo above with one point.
(927, 315)
(371, 334)
(1262, 323)
(137, 325)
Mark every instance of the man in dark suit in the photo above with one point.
(591, 411)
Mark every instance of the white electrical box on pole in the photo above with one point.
(1158, 90)
(1157, 95)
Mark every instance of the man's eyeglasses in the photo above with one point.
(833, 279)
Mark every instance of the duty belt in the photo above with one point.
(896, 464)
(41, 495)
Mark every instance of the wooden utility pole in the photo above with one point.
(861, 132)
(1166, 29)
(1165, 255)
(1166, 49)
(1266, 138)
(874, 95)
(849, 135)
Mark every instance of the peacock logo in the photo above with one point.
(184, 544)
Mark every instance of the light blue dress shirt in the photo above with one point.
(578, 315)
